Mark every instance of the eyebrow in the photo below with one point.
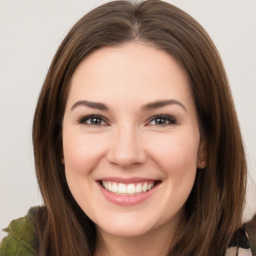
(162, 103)
(147, 107)
(90, 104)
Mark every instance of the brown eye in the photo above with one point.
(162, 120)
(93, 120)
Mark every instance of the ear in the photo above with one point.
(202, 154)
(63, 160)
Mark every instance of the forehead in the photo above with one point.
(128, 72)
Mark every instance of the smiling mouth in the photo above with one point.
(130, 189)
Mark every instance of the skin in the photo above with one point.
(129, 142)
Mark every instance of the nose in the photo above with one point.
(126, 149)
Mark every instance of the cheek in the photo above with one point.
(177, 154)
(81, 153)
(178, 159)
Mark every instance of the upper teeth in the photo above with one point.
(127, 189)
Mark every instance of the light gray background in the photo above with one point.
(30, 32)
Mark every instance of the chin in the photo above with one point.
(126, 228)
(127, 232)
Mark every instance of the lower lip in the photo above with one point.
(127, 200)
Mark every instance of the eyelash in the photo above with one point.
(168, 120)
(85, 119)
(164, 118)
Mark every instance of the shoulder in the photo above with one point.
(21, 236)
(239, 245)
(251, 230)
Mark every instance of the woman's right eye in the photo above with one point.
(92, 120)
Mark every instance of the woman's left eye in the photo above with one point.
(162, 120)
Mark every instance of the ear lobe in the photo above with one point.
(202, 154)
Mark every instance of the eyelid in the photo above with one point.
(172, 120)
(169, 119)
(83, 119)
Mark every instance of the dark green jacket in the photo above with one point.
(20, 239)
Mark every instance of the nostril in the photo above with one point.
(125, 148)
(126, 157)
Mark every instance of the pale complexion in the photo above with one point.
(130, 118)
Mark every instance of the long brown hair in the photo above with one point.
(214, 207)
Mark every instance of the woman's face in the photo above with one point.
(131, 139)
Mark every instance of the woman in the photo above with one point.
(136, 141)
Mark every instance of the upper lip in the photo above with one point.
(128, 180)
